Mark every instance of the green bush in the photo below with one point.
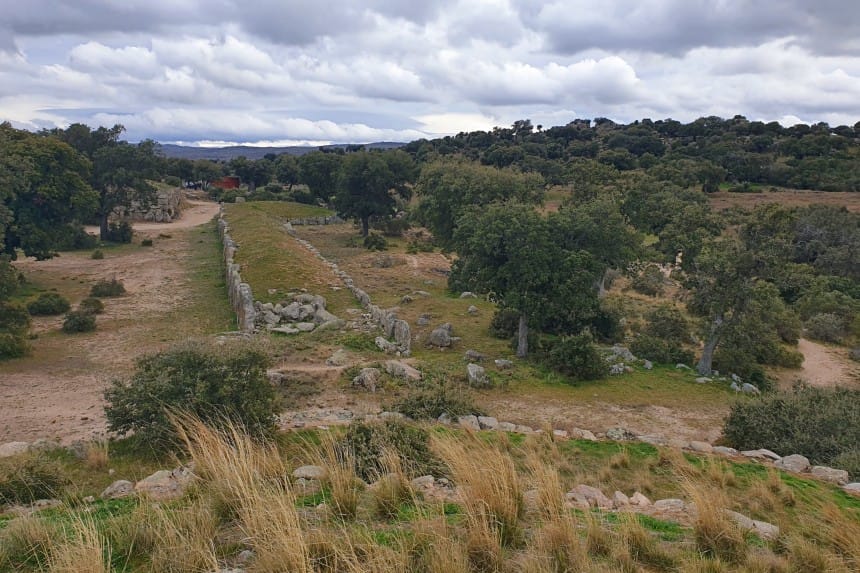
(25, 479)
(392, 226)
(13, 345)
(660, 351)
(173, 181)
(667, 323)
(91, 305)
(375, 242)
(848, 461)
(818, 423)
(576, 357)
(650, 281)
(79, 321)
(48, 304)
(215, 383)
(107, 289)
(97, 255)
(826, 327)
(120, 232)
(14, 324)
(367, 442)
(146, 243)
(434, 397)
(505, 323)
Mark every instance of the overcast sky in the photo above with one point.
(320, 71)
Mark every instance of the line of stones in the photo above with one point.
(392, 327)
(239, 293)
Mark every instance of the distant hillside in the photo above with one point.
(227, 153)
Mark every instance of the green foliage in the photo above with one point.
(667, 322)
(432, 397)
(819, 423)
(14, 324)
(48, 304)
(121, 232)
(375, 242)
(97, 255)
(392, 226)
(29, 477)
(649, 281)
(146, 243)
(91, 305)
(574, 356)
(504, 323)
(79, 321)
(107, 289)
(173, 181)
(215, 383)
(826, 327)
(660, 351)
(848, 461)
(368, 441)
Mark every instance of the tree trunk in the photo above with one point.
(103, 226)
(601, 284)
(365, 226)
(523, 337)
(704, 365)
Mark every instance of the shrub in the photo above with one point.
(173, 181)
(667, 323)
(368, 443)
(48, 304)
(91, 305)
(120, 232)
(575, 356)
(97, 255)
(24, 479)
(392, 226)
(375, 242)
(848, 461)
(649, 281)
(107, 289)
(79, 321)
(214, 383)
(505, 323)
(13, 346)
(855, 354)
(14, 323)
(146, 243)
(659, 350)
(433, 398)
(816, 422)
(826, 327)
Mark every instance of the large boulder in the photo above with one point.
(839, 477)
(586, 496)
(402, 370)
(165, 485)
(442, 336)
(367, 378)
(477, 375)
(793, 463)
(310, 473)
(763, 529)
(118, 489)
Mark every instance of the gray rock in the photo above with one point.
(444, 418)
(270, 317)
(734, 386)
(670, 504)
(619, 499)
(469, 421)
(367, 378)
(507, 427)
(310, 472)
(165, 485)
(322, 315)
(639, 499)
(422, 293)
(474, 356)
(472, 310)
(703, 380)
(703, 447)
(680, 366)
(623, 352)
(10, 449)
(852, 488)
(305, 326)
(616, 369)
(335, 324)
(503, 364)
(402, 370)
(761, 454)
(423, 320)
(423, 482)
(386, 346)
(619, 434)
(832, 475)
(589, 497)
(468, 294)
(285, 330)
(118, 489)
(391, 416)
(736, 379)
(763, 529)
(488, 423)
(653, 440)
(724, 451)
(647, 365)
(793, 463)
(561, 434)
(477, 375)
(521, 429)
(339, 358)
(406, 299)
(748, 388)
(581, 434)
(442, 336)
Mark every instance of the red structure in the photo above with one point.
(228, 182)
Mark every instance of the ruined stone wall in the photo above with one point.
(239, 293)
(165, 208)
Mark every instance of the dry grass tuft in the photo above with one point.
(559, 547)
(392, 487)
(438, 548)
(344, 485)
(27, 539)
(598, 539)
(766, 562)
(716, 535)
(97, 454)
(641, 545)
(550, 499)
(809, 557)
(272, 527)
(720, 474)
(184, 539)
(84, 551)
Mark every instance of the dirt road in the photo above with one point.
(197, 214)
(823, 366)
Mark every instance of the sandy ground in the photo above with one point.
(57, 391)
(823, 366)
(197, 213)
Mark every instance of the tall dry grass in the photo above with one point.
(97, 454)
(84, 550)
(183, 539)
(392, 486)
(272, 528)
(344, 484)
(715, 534)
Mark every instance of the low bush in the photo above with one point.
(375, 242)
(120, 232)
(432, 398)
(575, 356)
(392, 226)
(91, 305)
(146, 243)
(818, 423)
(215, 383)
(26, 478)
(48, 304)
(368, 443)
(13, 346)
(505, 323)
(97, 255)
(826, 327)
(650, 281)
(14, 324)
(660, 351)
(667, 323)
(79, 321)
(107, 289)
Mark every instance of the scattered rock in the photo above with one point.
(620, 500)
(616, 369)
(118, 489)
(647, 365)
(444, 418)
(423, 482)
(442, 336)
(793, 463)
(748, 388)
(391, 416)
(761, 454)
(469, 421)
(588, 496)
(402, 370)
(488, 423)
(339, 358)
(623, 353)
(680, 366)
(725, 451)
(472, 310)
(639, 499)
(474, 356)
(385, 346)
(670, 505)
(367, 379)
(703, 447)
(423, 320)
(581, 434)
(165, 484)
(468, 294)
(507, 427)
(304, 326)
(703, 380)
(852, 488)
(477, 375)
(832, 475)
(521, 429)
(503, 364)
(763, 529)
(619, 434)
(310, 473)
(562, 434)
(13, 449)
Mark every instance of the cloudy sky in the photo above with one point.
(319, 71)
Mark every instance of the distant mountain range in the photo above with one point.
(228, 153)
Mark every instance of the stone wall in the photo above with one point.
(239, 293)
(332, 220)
(166, 208)
(392, 327)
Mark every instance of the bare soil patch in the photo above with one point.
(823, 366)
(173, 290)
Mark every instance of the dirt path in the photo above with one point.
(823, 366)
(57, 391)
(198, 213)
